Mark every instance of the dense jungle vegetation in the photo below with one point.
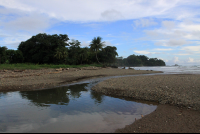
(57, 49)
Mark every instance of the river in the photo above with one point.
(75, 107)
(71, 109)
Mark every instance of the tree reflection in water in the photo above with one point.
(59, 95)
(75, 90)
(2, 94)
(98, 97)
(42, 98)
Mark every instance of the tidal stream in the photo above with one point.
(69, 108)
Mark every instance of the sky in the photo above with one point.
(163, 29)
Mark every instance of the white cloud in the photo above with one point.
(172, 42)
(13, 41)
(111, 15)
(145, 22)
(108, 43)
(33, 23)
(101, 10)
(146, 52)
(153, 51)
(168, 24)
(176, 60)
(182, 54)
(162, 49)
(189, 27)
(85, 43)
(190, 59)
(192, 48)
(175, 33)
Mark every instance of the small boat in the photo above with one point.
(176, 65)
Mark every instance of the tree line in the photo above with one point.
(139, 60)
(58, 49)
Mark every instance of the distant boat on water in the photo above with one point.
(176, 65)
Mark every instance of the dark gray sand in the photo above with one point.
(166, 119)
(14, 80)
(180, 94)
(180, 91)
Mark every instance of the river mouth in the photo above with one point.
(70, 108)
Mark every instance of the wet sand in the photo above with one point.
(16, 80)
(166, 119)
(178, 96)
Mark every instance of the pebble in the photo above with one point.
(177, 89)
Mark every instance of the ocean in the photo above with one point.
(180, 69)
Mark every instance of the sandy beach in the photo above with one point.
(23, 80)
(178, 95)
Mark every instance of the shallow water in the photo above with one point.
(72, 108)
(192, 69)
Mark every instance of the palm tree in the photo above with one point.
(61, 53)
(58, 53)
(97, 45)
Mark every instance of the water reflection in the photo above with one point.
(98, 97)
(72, 108)
(75, 91)
(59, 95)
(2, 94)
(44, 97)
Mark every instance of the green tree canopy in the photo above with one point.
(74, 51)
(133, 60)
(42, 47)
(139, 60)
(3, 57)
(96, 45)
(108, 54)
(14, 56)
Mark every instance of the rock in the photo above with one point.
(163, 102)
(60, 69)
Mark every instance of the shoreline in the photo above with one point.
(29, 80)
(166, 118)
(177, 95)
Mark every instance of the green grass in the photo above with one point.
(22, 66)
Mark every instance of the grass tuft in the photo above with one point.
(23, 66)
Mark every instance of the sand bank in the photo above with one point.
(180, 94)
(49, 78)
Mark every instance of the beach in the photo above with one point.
(178, 94)
(28, 80)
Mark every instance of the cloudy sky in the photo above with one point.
(163, 29)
